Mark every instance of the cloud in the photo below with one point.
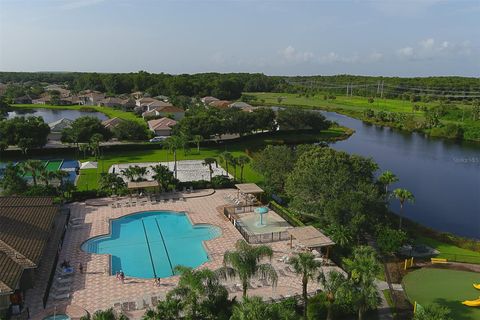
(429, 48)
(290, 54)
(77, 4)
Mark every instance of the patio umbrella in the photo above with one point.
(89, 165)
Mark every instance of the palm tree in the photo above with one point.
(226, 157)
(362, 269)
(84, 147)
(244, 263)
(46, 176)
(233, 162)
(304, 264)
(403, 195)
(332, 285)
(94, 145)
(340, 234)
(135, 173)
(34, 167)
(208, 162)
(168, 309)
(387, 178)
(196, 288)
(198, 139)
(111, 183)
(242, 161)
(163, 176)
(174, 143)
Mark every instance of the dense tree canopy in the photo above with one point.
(24, 132)
(300, 119)
(83, 128)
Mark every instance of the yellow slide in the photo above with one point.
(476, 286)
(472, 303)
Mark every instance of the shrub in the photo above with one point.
(371, 100)
(317, 307)
(221, 182)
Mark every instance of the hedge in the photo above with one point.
(286, 214)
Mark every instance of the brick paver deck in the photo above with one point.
(97, 289)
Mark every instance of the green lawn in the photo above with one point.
(355, 105)
(451, 252)
(444, 287)
(88, 178)
(109, 112)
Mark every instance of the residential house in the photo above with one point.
(128, 104)
(220, 104)
(23, 100)
(31, 234)
(57, 127)
(207, 100)
(242, 105)
(45, 99)
(3, 88)
(137, 95)
(144, 101)
(61, 89)
(91, 98)
(165, 111)
(162, 126)
(162, 98)
(111, 102)
(112, 122)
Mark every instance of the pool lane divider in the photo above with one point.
(149, 250)
(165, 246)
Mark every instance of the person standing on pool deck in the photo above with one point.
(122, 276)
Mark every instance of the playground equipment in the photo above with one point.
(476, 286)
(472, 303)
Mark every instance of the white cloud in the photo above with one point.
(427, 43)
(292, 55)
(405, 52)
(77, 4)
(431, 49)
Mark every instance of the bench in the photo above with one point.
(438, 260)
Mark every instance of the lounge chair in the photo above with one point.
(63, 296)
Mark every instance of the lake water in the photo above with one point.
(443, 175)
(51, 115)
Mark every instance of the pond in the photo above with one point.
(51, 115)
(443, 175)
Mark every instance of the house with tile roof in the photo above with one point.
(207, 100)
(31, 230)
(220, 104)
(165, 111)
(91, 98)
(112, 122)
(56, 128)
(162, 126)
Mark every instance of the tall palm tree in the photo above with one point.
(163, 176)
(168, 309)
(34, 167)
(403, 195)
(362, 269)
(195, 288)
(387, 178)
(233, 163)
(332, 284)
(208, 162)
(304, 264)
(197, 139)
(46, 176)
(226, 157)
(242, 161)
(174, 143)
(245, 263)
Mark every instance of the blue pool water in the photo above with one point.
(150, 244)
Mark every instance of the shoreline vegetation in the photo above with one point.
(376, 111)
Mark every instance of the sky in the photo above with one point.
(276, 37)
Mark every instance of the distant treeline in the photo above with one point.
(231, 85)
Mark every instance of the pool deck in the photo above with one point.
(97, 289)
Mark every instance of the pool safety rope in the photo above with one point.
(149, 251)
(165, 246)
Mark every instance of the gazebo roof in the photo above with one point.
(142, 184)
(249, 188)
(310, 236)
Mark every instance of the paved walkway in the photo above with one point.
(97, 289)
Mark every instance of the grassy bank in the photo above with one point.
(355, 106)
(109, 112)
(450, 251)
(88, 179)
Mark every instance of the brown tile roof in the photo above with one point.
(10, 273)
(170, 108)
(25, 226)
(112, 123)
(25, 201)
(161, 124)
(220, 104)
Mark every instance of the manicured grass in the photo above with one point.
(109, 112)
(444, 287)
(54, 165)
(89, 178)
(451, 252)
(355, 105)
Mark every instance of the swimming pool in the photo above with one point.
(150, 244)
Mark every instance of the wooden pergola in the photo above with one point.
(142, 185)
(249, 188)
(310, 237)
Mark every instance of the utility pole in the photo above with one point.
(381, 92)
